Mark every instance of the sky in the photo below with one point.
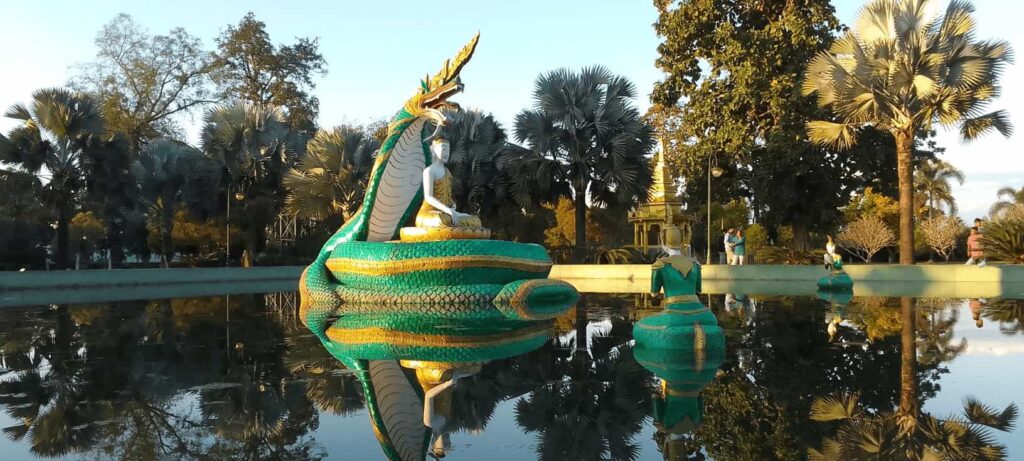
(377, 51)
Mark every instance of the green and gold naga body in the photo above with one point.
(407, 251)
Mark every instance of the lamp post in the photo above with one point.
(713, 170)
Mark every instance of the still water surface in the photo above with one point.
(240, 377)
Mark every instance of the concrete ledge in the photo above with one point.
(778, 273)
(38, 280)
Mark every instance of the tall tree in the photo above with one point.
(932, 181)
(145, 81)
(731, 91)
(60, 138)
(253, 69)
(901, 70)
(255, 146)
(585, 135)
(1008, 198)
(171, 175)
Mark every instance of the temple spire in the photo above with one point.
(659, 189)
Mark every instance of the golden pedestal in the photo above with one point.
(433, 234)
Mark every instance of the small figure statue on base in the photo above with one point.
(836, 279)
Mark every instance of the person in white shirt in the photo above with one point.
(728, 241)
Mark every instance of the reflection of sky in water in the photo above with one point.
(991, 370)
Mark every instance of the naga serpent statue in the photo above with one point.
(407, 250)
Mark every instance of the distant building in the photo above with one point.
(661, 211)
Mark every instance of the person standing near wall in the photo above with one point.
(739, 249)
(727, 240)
(975, 248)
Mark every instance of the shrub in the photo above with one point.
(941, 234)
(1004, 239)
(757, 238)
(788, 256)
(866, 236)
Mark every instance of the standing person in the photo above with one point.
(975, 249)
(979, 223)
(739, 248)
(727, 239)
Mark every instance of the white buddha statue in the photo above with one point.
(437, 218)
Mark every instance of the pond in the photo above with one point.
(240, 377)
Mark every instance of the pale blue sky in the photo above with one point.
(377, 50)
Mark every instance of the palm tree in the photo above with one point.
(585, 135)
(932, 181)
(60, 134)
(900, 70)
(477, 141)
(171, 174)
(1008, 198)
(330, 180)
(255, 146)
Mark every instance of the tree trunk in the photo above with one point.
(909, 406)
(801, 236)
(905, 177)
(580, 252)
(581, 354)
(166, 246)
(63, 225)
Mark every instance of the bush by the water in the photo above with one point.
(1004, 237)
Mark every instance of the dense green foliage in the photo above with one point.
(901, 71)
(731, 90)
(61, 137)
(252, 69)
(144, 81)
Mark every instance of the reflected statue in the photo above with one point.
(684, 347)
(838, 301)
(410, 365)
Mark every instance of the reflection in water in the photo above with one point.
(409, 366)
(1009, 313)
(907, 432)
(163, 380)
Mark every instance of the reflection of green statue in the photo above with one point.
(409, 365)
(684, 346)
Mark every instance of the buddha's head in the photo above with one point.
(440, 149)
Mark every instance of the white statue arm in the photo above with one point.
(429, 418)
(428, 196)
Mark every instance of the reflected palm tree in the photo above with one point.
(936, 337)
(596, 414)
(885, 435)
(907, 433)
(333, 388)
(1009, 313)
